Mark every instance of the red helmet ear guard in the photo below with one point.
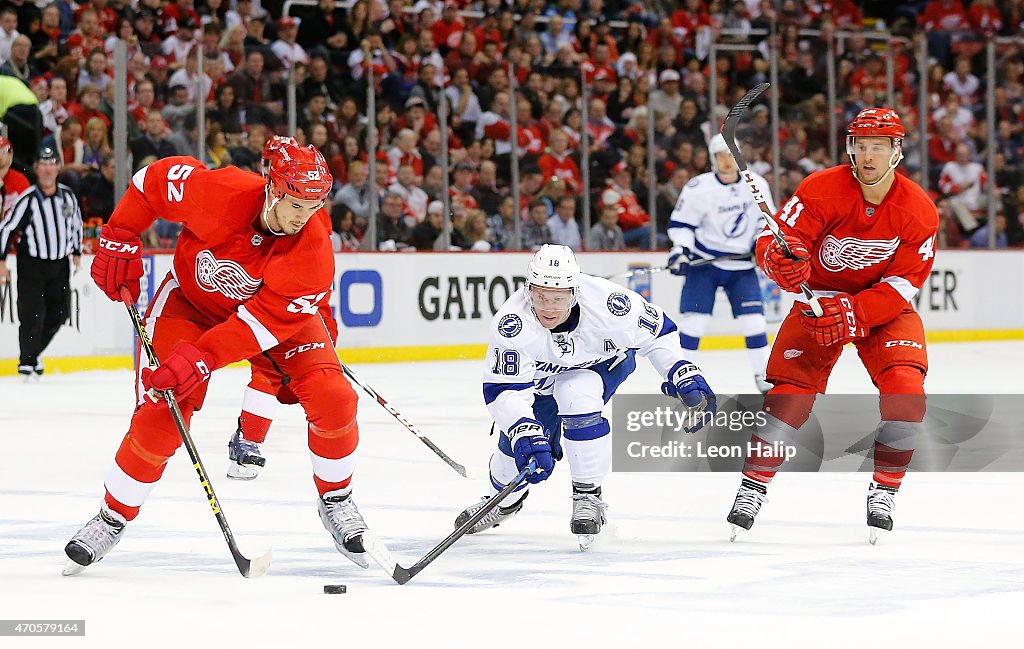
(877, 122)
(300, 172)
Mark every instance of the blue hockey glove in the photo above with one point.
(682, 256)
(686, 383)
(529, 443)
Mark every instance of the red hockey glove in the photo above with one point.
(182, 371)
(118, 261)
(785, 271)
(838, 324)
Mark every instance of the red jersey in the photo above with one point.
(254, 288)
(12, 186)
(881, 254)
(553, 166)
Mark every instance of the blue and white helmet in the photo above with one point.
(717, 145)
(554, 267)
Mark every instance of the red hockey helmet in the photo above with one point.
(877, 122)
(300, 172)
(273, 143)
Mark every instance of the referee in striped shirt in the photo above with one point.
(50, 223)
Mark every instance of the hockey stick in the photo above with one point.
(248, 568)
(692, 264)
(461, 470)
(401, 574)
(732, 120)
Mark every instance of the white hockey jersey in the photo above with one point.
(524, 357)
(713, 219)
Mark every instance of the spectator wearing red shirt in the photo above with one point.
(944, 15)
(173, 14)
(88, 105)
(939, 19)
(107, 16)
(557, 163)
(632, 217)
(845, 13)
(87, 37)
(685, 23)
(448, 31)
(985, 18)
(668, 36)
(488, 30)
(600, 62)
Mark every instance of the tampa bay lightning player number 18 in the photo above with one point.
(559, 349)
(716, 217)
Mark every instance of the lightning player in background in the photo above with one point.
(560, 347)
(250, 270)
(715, 217)
(266, 390)
(864, 243)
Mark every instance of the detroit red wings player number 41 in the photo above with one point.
(865, 244)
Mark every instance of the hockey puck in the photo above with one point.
(335, 589)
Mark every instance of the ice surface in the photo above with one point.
(662, 574)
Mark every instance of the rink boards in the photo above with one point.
(436, 306)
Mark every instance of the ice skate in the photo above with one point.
(881, 503)
(245, 457)
(749, 498)
(494, 518)
(587, 515)
(762, 385)
(342, 519)
(93, 541)
(25, 372)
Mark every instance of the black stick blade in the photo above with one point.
(747, 99)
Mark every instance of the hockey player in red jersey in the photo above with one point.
(250, 271)
(864, 243)
(266, 390)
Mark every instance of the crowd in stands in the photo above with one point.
(636, 64)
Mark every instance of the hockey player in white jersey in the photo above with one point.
(716, 217)
(560, 346)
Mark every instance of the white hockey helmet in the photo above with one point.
(717, 145)
(555, 267)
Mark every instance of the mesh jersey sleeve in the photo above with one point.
(170, 189)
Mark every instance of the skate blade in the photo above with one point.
(735, 531)
(242, 472)
(585, 541)
(359, 558)
(874, 534)
(71, 569)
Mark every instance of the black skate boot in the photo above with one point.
(587, 514)
(245, 457)
(494, 518)
(94, 541)
(749, 498)
(342, 519)
(881, 503)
